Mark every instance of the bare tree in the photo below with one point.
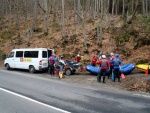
(17, 21)
(10, 20)
(35, 15)
(46, 17)
(63, 17)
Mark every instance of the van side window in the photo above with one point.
(19, 54)
(31, 54)
(11, 55)
(44, 54)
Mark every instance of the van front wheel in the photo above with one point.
(31, 69)
(8, 67)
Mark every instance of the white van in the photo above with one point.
(34, 59)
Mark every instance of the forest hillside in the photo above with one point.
(72, 27)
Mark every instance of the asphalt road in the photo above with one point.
(22, 92)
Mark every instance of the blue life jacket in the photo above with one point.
(116, 63)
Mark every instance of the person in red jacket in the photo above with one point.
(78, 58)
(104, 66)
(94, 61)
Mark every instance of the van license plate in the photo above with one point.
(44, 64)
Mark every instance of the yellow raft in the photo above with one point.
(142, 67)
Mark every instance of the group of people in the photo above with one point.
(113, 63)
(53, 60)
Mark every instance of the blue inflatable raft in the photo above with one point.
(125, 69)
(93, 69)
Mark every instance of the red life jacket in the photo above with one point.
(94, 60)
(51, 60)
(78, 58)
(104, 64)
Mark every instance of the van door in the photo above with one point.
(50, 52)
(10, 59)
(19, 59)
(44, 59)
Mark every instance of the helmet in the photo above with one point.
(117, 55)
(101, 53)
(103, 56)
(111, 54)
(61, 56)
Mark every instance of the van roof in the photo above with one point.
(32, 49)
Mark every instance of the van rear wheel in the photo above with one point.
(31, 69)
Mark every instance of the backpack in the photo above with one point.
(116, 62)
(51, 60)
(104, 65)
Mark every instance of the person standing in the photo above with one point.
(61, 60)
(52, 61)
(94, 61)
(116, 62)
(104, 66)
(62, 66)
(111, 64)
(78, 58)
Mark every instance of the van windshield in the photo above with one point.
(11, 54)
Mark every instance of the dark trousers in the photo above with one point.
(102, 73)
(52, 70)
(111, 71)
(117, 74)
(93, 64)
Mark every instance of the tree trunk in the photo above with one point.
(79, 10)
(45, 17)
(10, 20)
(17, 24)
(35, 16)
(113, 7)
(133, 15)
(62, 17)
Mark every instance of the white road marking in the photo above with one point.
(35, 101)
(147, 96)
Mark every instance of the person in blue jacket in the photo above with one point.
(116, 63)
(52, 60)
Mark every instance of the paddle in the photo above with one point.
(112, 76)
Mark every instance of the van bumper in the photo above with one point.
(43, 68)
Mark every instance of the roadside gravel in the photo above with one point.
(136, 81)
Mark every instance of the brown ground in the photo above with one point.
(136, 81)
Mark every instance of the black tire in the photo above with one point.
(31, 69)
(68, 72)
(8, 67)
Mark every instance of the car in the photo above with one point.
(70, 67)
